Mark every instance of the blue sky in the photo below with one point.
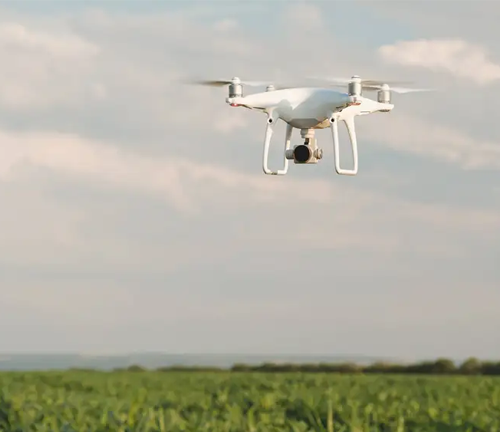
(136, 215)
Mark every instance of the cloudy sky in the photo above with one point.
(135, 214)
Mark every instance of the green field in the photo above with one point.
(224, 401)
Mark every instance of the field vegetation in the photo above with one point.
(263, 398)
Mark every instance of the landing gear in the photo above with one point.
(309, 152)
(349, 122)
(271, 121)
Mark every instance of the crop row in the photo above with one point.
(178, 401)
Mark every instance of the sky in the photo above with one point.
(136, 216)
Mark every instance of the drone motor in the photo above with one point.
(354, 86)
(235, 88)
(384, 94)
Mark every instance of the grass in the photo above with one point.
(204, 401)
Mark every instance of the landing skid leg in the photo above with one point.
(349, 122)
(267, 142)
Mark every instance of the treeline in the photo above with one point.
(471, 366)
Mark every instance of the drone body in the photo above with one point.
(309, 109)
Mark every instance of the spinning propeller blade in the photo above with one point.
(223, 82)
(367, 84)
(401, 90)
(277, 84)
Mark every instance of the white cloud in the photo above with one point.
(413, 135)
(454, 56)
(80, 304)
(286, 212)
(43, 68)
(69, 75)
(177, 179)
(190, 185)
(304, 16)
(470, 20)
(17, 36)
(226, 25)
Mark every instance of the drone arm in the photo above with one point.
(271, 120)
(349, 122)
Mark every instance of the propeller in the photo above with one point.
(238, 81)
(401, 90)
(369, 84)
(365, 83)
(223, 82)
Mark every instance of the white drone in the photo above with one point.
(308, 109)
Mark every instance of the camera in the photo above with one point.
(307, 153)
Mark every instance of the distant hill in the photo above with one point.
(156, 360)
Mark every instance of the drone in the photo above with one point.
(309, 108)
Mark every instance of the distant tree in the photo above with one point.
(241, 367)
(381, 367)
(444, 366)
(426, 367)
(186, 368)
(490, 368)
(348, 368)
(136, 368)
(471, 366)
